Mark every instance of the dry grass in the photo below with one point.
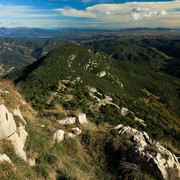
(57, 113)
(173, 174)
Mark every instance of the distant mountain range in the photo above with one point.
(24, 32)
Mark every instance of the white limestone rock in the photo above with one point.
(124, 111)
(22, 133)
(82, 118)
(7, 123)
(77, 131)
(92, 89)
(18, 145)
(101, 74)
(59, 135)
(157, 164)
(140, 121)
(4, 157)
(18, 113)
(119, 126)
(32, 162)
(71, 135)
(139, 139)
(67, 121)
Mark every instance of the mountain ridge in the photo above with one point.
(129, 106)
(25, 32)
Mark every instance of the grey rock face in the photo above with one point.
(141, 153)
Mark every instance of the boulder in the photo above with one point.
(77, 131)
(59, 135)
(101, 74)
(7, 123)
(82, 118)
(124, 111)
(67, 121)
(32, 162)
(71, 135)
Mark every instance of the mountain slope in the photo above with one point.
(73, 79)
(98, 70)
(50, 146)
(163, 53)
(150, 94)
(17, 53)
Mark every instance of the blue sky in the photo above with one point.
(104, 14)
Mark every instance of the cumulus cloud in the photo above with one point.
(131, 14)
(93, 11)
(140, 12)
(75, 13)
(136, 10)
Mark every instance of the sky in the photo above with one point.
(96, 14)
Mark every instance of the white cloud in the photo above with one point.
(132, 14)
(137, 10)
(140, 12)
(75, 13)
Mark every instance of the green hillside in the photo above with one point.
(149, 93)
(163, 53)
(17, 53)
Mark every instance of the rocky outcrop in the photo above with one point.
(72, 120)
(18, 146)
(67, 121)
(9, 130)
(125, 111)
(158, 162)
(101, 102)
(7, 123)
